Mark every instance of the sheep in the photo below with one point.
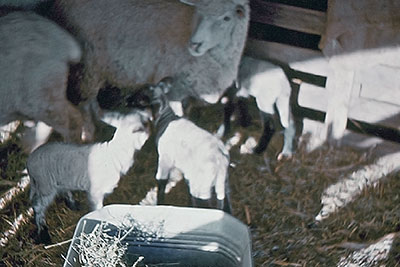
(130, 43)
(27, 4)
(270, 86)
(200, 156)
(95, 168)
(35, 54)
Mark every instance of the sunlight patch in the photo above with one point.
(371, 255)
(11, 193)
(342, 193)
(21, 219)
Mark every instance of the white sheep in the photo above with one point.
(200, 156)
(96, 168)
(35, 54)
(270, 86)
(134, 42)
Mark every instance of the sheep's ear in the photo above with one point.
(190, 2)
(111, 118)
(166, 84)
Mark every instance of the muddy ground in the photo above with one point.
(282, 203)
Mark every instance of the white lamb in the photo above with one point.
(35, 56)
(60, 167)
(200, 156)
(270, 87)
(129, 43)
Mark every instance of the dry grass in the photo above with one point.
(280, 206)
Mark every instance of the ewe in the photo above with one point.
(129, 43)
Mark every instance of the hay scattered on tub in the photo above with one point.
(102, 248)
(97, 248)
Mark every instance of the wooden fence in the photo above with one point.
(361, 85)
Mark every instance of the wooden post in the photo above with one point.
(339, 86)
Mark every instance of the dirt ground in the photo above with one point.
(281, 202)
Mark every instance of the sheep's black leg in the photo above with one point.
(44, 236)
(161, 184)
(70, 201)
(229, 107)
(268, 132)
(225, 204)
(40, 205)
(201, 203)
(243, 110)
(227, 201)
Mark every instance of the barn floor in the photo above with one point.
(281, 204)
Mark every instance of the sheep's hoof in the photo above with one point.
(72, 205)
(259, 149)
(283, 156)
(44, 236)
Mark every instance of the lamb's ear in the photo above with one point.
(111, 118)
(190, 2)
(166, 84)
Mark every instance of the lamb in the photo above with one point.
(200, 156)
(35, 54)
(270, 86)
(95, 168)
(131, 43)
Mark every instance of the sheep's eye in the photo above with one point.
(240, 11)
(227, 18)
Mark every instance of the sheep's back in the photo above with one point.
(130, 43)
(263, 80)
(55, 166)
(192, 148)
(126, 37)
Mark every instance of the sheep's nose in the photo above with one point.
(195, 46)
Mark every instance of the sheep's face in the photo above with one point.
(215, 23)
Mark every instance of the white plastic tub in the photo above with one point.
(171, 236)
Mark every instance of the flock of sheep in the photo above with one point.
(174, 49)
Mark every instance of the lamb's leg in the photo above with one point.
(201, 203)
(40, 204)
(162, 176)
(227, 201)
(288, 139)
(70, 201)
(268, 132)
(161, 184)
(229, 107)
(286, 118)
(96, 200)
(243, 110)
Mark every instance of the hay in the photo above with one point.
(103, 247)
(279, 205)
(97, 248)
